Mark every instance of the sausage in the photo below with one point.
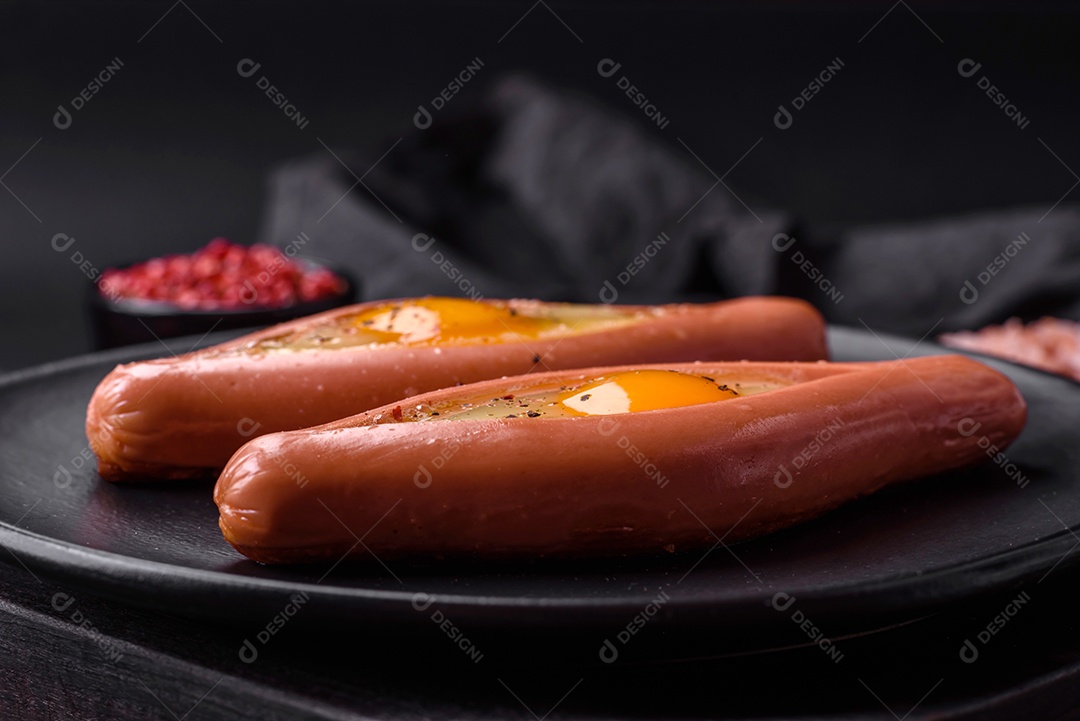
(185, 416)
(673, 457)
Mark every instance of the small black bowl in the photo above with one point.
(127, 321)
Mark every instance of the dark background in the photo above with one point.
(175, 149)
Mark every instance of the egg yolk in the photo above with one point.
(623, 392)
(646, 390)
(448, 321)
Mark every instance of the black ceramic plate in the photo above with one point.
(888, 558)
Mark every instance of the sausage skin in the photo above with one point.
(613, 484)
(185, 416)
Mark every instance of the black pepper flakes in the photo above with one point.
(533, 414)
(536, 359)
(586, 397)
(511, 416)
